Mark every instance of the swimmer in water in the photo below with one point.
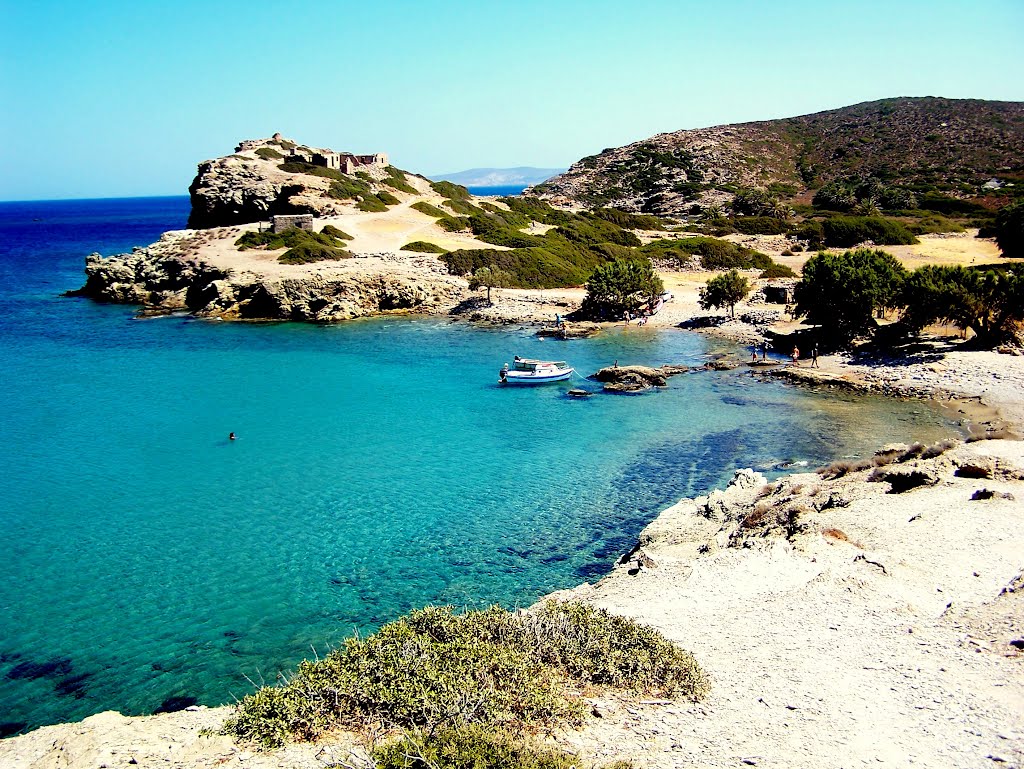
(232, 437)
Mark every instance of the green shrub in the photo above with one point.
(492, 229)
(371, 204)
(714, 254)
(453, 223)
(289, 238)
(474, 747)
(424, 247)
(451, 191)
(933, 223)
(777, 271)
(535, 209)
(299, 167)
(387, 198)
(944, 204)
(435, 667)
(812, 232)
(347, 188)
(759, 225)
(396, 179)
(333, 232)
(462, 207)
(590, 229)
(629, 221)
(846, 231)
(425, 208)
(549, 266)
(269, 153)
(306, 253)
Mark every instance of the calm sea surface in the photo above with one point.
(148, 561)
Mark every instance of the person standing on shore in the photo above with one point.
(814, 356)
(795, 355)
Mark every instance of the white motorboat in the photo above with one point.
(529, 371)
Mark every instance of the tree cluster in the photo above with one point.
(865, 196)
(842, 294)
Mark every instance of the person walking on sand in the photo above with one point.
(795, 355)
(814, 357)
(627, 317)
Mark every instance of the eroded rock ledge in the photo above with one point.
(169, 282)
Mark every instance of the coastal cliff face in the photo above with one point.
(950, 144)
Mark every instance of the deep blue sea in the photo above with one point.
(507, 189)
(148, 562)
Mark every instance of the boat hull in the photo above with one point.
(524, 378)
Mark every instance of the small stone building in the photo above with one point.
(778, 294)
(287, 221)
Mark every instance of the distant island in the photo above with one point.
(499, 177)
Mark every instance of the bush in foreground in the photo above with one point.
(473, 747)
(491, 667)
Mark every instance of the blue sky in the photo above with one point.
(104, 99)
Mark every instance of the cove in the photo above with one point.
(379, 467)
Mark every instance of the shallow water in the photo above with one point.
(379, 467)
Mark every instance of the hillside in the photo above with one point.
(927, 145)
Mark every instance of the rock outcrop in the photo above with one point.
(253, 184)
(166, 282)
(625, 379)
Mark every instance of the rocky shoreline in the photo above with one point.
(880, 604)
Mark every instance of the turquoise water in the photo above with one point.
(149, 561)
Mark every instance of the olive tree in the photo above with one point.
(990, 303)
(724, 291)
(489, 277)
(1009, 229)
(624, 285)
(843, 292)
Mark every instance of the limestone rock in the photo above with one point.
(630, 378)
